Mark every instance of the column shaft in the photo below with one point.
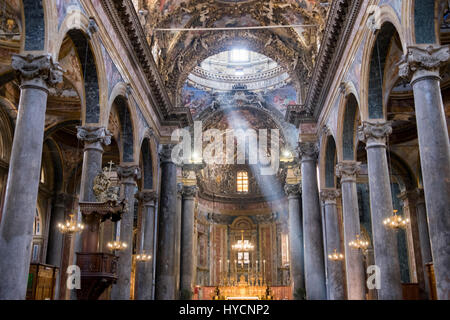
(144, 271)
(188, 255)
(312, 225)
(16, 229)
(354, 263)
(165, 263)
(385, 240)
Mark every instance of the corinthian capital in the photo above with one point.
(129, 173)
(421, 61)
(308, 151)
(329, 196)
(165, 153)
(292, 189)
(374, 133)
(189, 191)
(146, 197)
(38, 71)
(94, 134)
(347, 170)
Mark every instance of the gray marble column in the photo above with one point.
(36, 74)
(55, 237)
(296, 263)
(354, 260)
(144, 270)
(94, 139)
(167, 227)
(384, 240)
(312, 224)
(188, 255)
(127, 177)
(421, 66)
(424, 237)
(416, 266)
(178, 239)
(335, 269)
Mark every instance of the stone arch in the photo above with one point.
(53, 162)
(330, 158)
(76, 26)
(6, 135)
(426, 30)
(375, 75)
(126, 139)
(34, 23)
(349, 121)
(148, 161)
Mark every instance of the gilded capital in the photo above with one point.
(308, 151)
(421, 61)
(292, 189)
(329, 196)
(40, 71)
(348, 170)
(94, 134)
(374, 134)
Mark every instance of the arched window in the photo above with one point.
(242, 181)
(37, 238)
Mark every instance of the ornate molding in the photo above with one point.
(348, 170)
(266, 218)
(94, 134)
(329, 196)
(128, 173)
(292, 189)
(308, 151)
(422, 62)
(37, 70)
(189, 191)
(374, 134)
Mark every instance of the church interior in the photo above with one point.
(351, 202)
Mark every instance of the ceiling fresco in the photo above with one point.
(177, 53)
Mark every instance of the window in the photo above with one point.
(42, 175)
(242, 181)
(239, 55)
(243, 257)
(285, 249)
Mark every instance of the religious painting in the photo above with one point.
(281, 98)
(395, 4)
(65, 6)
(112, 73)
(195, 99)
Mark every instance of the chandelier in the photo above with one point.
(71, 226)
(336, 256)
(396, 221)
(142, 257)
(359, 243)
(117, 245)
(243, 245)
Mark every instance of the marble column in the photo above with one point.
(178, 239)
(127, 177)
(144, 270)
(56, 238)
(188, 255)
(335, 269)
(165, 263)
(296, 264)
(424, 236)
(374, 134)
(312, 224)
(354, 260)
(416, 266)
(94, 139)
(421, 66)
(36, 73)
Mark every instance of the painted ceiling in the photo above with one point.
(177, 53)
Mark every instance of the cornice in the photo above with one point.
(342, 17)
(126, 23)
